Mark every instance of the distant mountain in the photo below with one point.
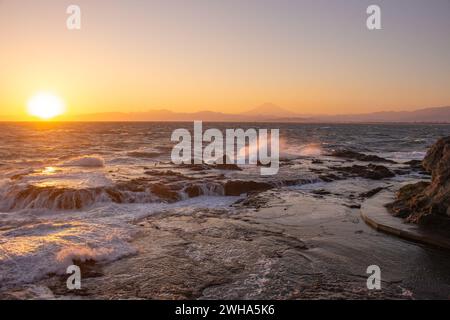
(266, 113)
(435, 115)
(270, 110)
(272, 113)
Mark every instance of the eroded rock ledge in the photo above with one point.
(428, 203)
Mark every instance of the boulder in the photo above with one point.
(193, 191)
(164, 193)
(428, 203)
(238, 187)
(415, 165)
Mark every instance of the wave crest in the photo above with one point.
(85, 161)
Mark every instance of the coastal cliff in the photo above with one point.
(428, 203)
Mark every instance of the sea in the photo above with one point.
(74, 191)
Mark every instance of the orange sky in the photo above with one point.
(311, 57)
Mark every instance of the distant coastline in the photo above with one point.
(268, 113)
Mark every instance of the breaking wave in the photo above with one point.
(85, 161)
(18, 197)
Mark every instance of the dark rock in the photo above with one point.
(238, 187)
(195, 167)
(134, 185)
(166, 173)
(329, 177)
(371, 193)
(349, 154)
(164, 192)
(372, 171)
(353, 206)
(407, 199)
(115, 195)
(193, 191)
(428, 203)
(321, 192)
(226, 166)
(415, 164)
(141, 154)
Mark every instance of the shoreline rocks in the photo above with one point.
(349, 154)
(238, 187)
(428, 203)
(371, 171)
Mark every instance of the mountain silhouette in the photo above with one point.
(271, 110)
(267, 112)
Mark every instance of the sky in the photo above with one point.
(308, 56)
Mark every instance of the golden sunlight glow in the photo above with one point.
(49, 170)
(45, 106)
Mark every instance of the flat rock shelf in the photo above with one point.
(374, 213)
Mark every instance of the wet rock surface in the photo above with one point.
(295, 247)
(273, 244)
(238, 187)
(371, 171)
(428, 203)
(349, 154)
(371, 193)
(291, 238)
(140, 226)
(417, 166)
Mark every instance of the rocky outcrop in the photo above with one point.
(238, 187)
(371, 171)
(428, 203)
(416, 165)
(163, 192)
(349, 154)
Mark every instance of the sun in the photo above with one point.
(45, 106)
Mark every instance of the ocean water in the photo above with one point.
(72, 191)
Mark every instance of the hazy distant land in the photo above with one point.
(266, 113)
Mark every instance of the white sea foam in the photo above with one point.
(404, 155)
(45, 242)
(308, 150)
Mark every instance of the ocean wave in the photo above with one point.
(34, 251)
(79, 253)
(85, 161)
(307, 150)
(143, 154)
(15, 197)
(404, 155)
(56, 198)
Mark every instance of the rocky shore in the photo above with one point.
(297, 237)
(295, 244)
(428, 203)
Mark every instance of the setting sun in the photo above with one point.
(45, 106)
